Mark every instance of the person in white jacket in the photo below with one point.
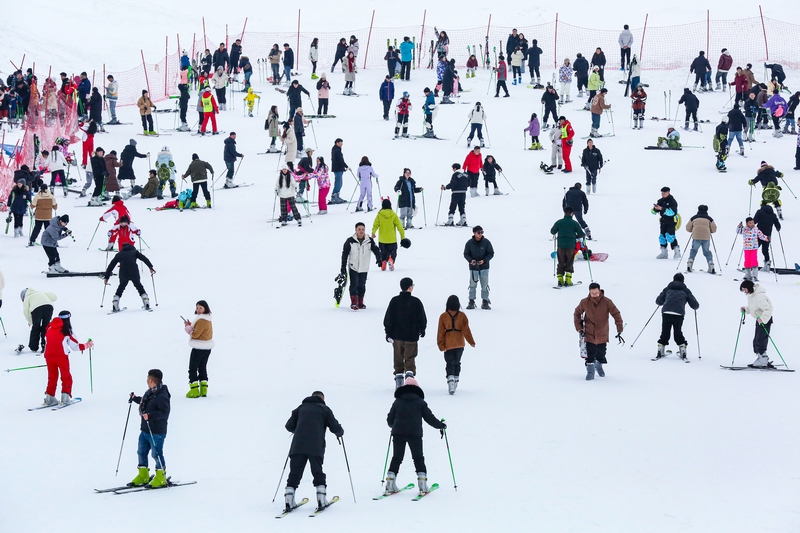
(37, 308)
(313, 56)
(477, 117)
(357, 254)
(56, 162)
(759, 307)
(565, 78)
(220, 81)
(625, 42)
(517, 58)
(286, 190)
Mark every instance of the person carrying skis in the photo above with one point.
(356, 259)
(201, 340)
(154, 408)
(250, 100)
(490, 169)
(598, 106)
(386, 223)
(365, 174)
(166, 172)
(478, 252)
(567, 134)
(567, 231)
(533, 130)
(700, 66)
(403, 113)
(59, 341)
(591, 319)
(576, 199)
(404, 323)
(667, 209)
(406, 187)
(472, 166)
(502, 74)
(452, 335)
(701, 226)
(405, 418)
(765, 175)
(308, 424)
(128, 272)
(550, 100)
(673, 300)
(759, 306)
(37, 308)
(751, 236)
(477, 116)
(592, 163)
(639, 100)
(765, 220)
(459, 183)
(198, 172)
(55, 231)
(122, 232)
(692, 104)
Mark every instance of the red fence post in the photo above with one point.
(369, 36)
(297, 50)
(226, 36)
(244, 28)
(644, 30)
(105, 104)
(555, 45)
(764, 29)
(144, 67)
(422, 36)
(166, 65)
(194, 39)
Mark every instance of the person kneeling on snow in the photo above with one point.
(672, 141)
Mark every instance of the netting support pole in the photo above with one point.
(93, 75)
(708, 31)
(194, 40)
(146, 79)
(369, 36)
(422, 36)
(166, 64)
(764, 29)
(105, 103)
(178, 36)
(297, 53)
(245, 27)
(205, 41)
(226, 36)
(555, 45)
(644, 30)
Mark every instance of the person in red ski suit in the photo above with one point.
(473, 164)
(59, 342)
(210, 110)
(123, 233)
(567, 133)
(114, 215)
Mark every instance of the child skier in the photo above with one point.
(672, 141)
(750, 237)
(502, 73)
(250, 100)
(720, 143)
(406, 187)
(765, 175)
(365, 175)
(452, 334)
(533, 130)
(128, 272)
(490, 169)
(639, 100)
(760, 307)
(591, 319)
(667, 209)
(403, 112)
(201, 340)
(405, 418)
(459, 183)
(701, 226)
(59, 342)
(166, 172)
(386, 224)
(154, 408)
(428, 108)
(673, 300)
(472, 66)
(123, 233)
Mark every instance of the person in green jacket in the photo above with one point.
(386, 222)
(567, 231)
(593, 86)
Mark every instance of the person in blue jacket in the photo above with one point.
(386, 95)
(406, 57)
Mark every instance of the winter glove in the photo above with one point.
(619, 338)
(88, 345)
(422, 334)
(389, 339)
(188, 328)
(750, 182)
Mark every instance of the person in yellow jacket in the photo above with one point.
(250, 100)
(387, 223)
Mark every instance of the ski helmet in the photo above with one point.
(165, 148)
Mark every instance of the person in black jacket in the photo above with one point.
(229, 154)
(128, 272)
(154, 407)
(100, 172)
(288, 62)
(550, 102)
(338, 167)
(221, 58)
(295, 95)
(667, 209)
(700, 66)
(765, 219)
(206, 61)
(490, 169)
(459, 183)
(96, 108)
(581, 68)
(407, 187)
(341, 51)
(236, 53)
(129, 153)
(308, 424)
(673, 300)
(533, 55)
(478, 252)
(692, 104)
(405, 418)
(404, 323)
(736, 125)
(592, 162)
(576, 199)
(599, 61)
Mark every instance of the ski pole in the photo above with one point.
(386, 462)
(447, 442)
(750, 205)
(697, 333)
(773, 344)
(425, 214)
(274, 202)
(378, 182)
(23, 368)
(685, 248)
(735, 346)
(143, 242)
(155, 294)
(504, 176)
(772, 255)
(732, 246)
(281, 478)
(351, 198)
(715, 251)
(555, 254)
(588, 262)
(91, 374)
(159, 465)
(93, 234)
(313, 131)
(787, 186)
(438, 208)
(645, 325)
(785, 264)
(462, 132)
(489, 137)
(4, 327)
(124, 432)
(344, 449)
(237, 168)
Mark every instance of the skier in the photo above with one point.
(404, 323)
(576, 199)
(403, 113)
(777, 109)
(765, 175)
(201, 341)
(386, 95)
(229, 154)
(502, 73)
(154, 408)
(533, 130)
(128, 272)
(741, 85)
(54, 232)
(567, 231)
(18, 200)
(406, 56)
(386, 223)
(639, 98)
(405, 418)
(313, 56)
(146, 108)
(593, 86)
(598, 106)
(549, 100)
(323, 94)
(473, 163)
(477, 116)
(250, 100)
(672, 141)
(427, 108)
(567, 134)
(736, 124)
(210, 110)
(56, 162)
(43, 204)
(37, 308)
(700, 66)
(765, 219)
(556, 152)
(286, 190)
(365, 174)
(667, 209)
(599, 61)
(720, 143)
(565, 79)
(129, 153)
(350, 75)
(166, 172)
(478, 252)
(295, 96)
(625, 41)
(673, 300)
(406, 187)
(490, 169)
(723, 66)
(751, 236)
(591, 320)
(692, 104)
(356, 259)
(459, 183)
(303, 173)
(220, 80)
(323, 185)
(516, 57)
(592, 163)
(534, 60)
(122, 233)
(308, 424)
(760, 307)
(58, 343)
(183, 104)
(112, 94)
(701, 226)
(452, 334)
(197, 170)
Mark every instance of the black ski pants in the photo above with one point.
(52, 255)
(41, 318)
(297, 464)
(761, 338)
(765, 248)
(596, 352)
(591, 177)
(624, 57)
(674, 323)
(457, 199)
(387, 105)
(358, 283)
(123, 282)
(198, 361)
(550, 110)
(196, 189)
(99, 185)
(452, 361)
(405, 70)
(579, 218)
(501, 84)
(147, 122)
(691, 113)
(415, 445)
(322, 106)
(388, 250)
(473, 178)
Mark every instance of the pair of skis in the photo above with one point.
(304, 501)
(410, 486)
(127, 489)
(57, 406)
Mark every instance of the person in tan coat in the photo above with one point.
(201, 340)
(43, 203)
(146, 108)
(598, 106)
(452, 332)
(591, 319)
(701, 226)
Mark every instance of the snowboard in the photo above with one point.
(544, 168)
(341, 280)
(600, 257)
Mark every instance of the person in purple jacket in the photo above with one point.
(777, 109)
(533, 131)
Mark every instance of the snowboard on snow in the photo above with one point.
(341, 281)
(598, 257)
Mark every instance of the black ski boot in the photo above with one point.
(485, 305)
(471, 304)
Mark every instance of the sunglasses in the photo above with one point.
(479, 232)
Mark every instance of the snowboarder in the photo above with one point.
(592, 163)
(576, 199)
(128, 272)
(459, 183)
(198, 171)
(490, 169)
(533, 130)
(365, 174)
(286, 190)
(477, 116)
(452, 334)
(54, 232)
(404, 323)
(37, 308)
(406, 187)
(701, 226)
(230, 155)
(567, 231)
(691, 104)
(766, 175)
(201, 340)
(166, 172)
(673, 300)
(472, 166)
(667, 209)
(750, 237)
(59, 342)
(154, 408)
(591, 319)
(405, 418)
(403, 113)
(356, 259)
(567, 134)
(759, 306)
(387, 223)
(639, 100)
(478, 252)
(766, 220)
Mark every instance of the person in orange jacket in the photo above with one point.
(567, 133)
(472, 166)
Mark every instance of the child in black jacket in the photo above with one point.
(154, 407)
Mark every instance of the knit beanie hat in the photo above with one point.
(386, 204)
(412, 381)
(703, 208)
(678, 277)
(64, 219)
